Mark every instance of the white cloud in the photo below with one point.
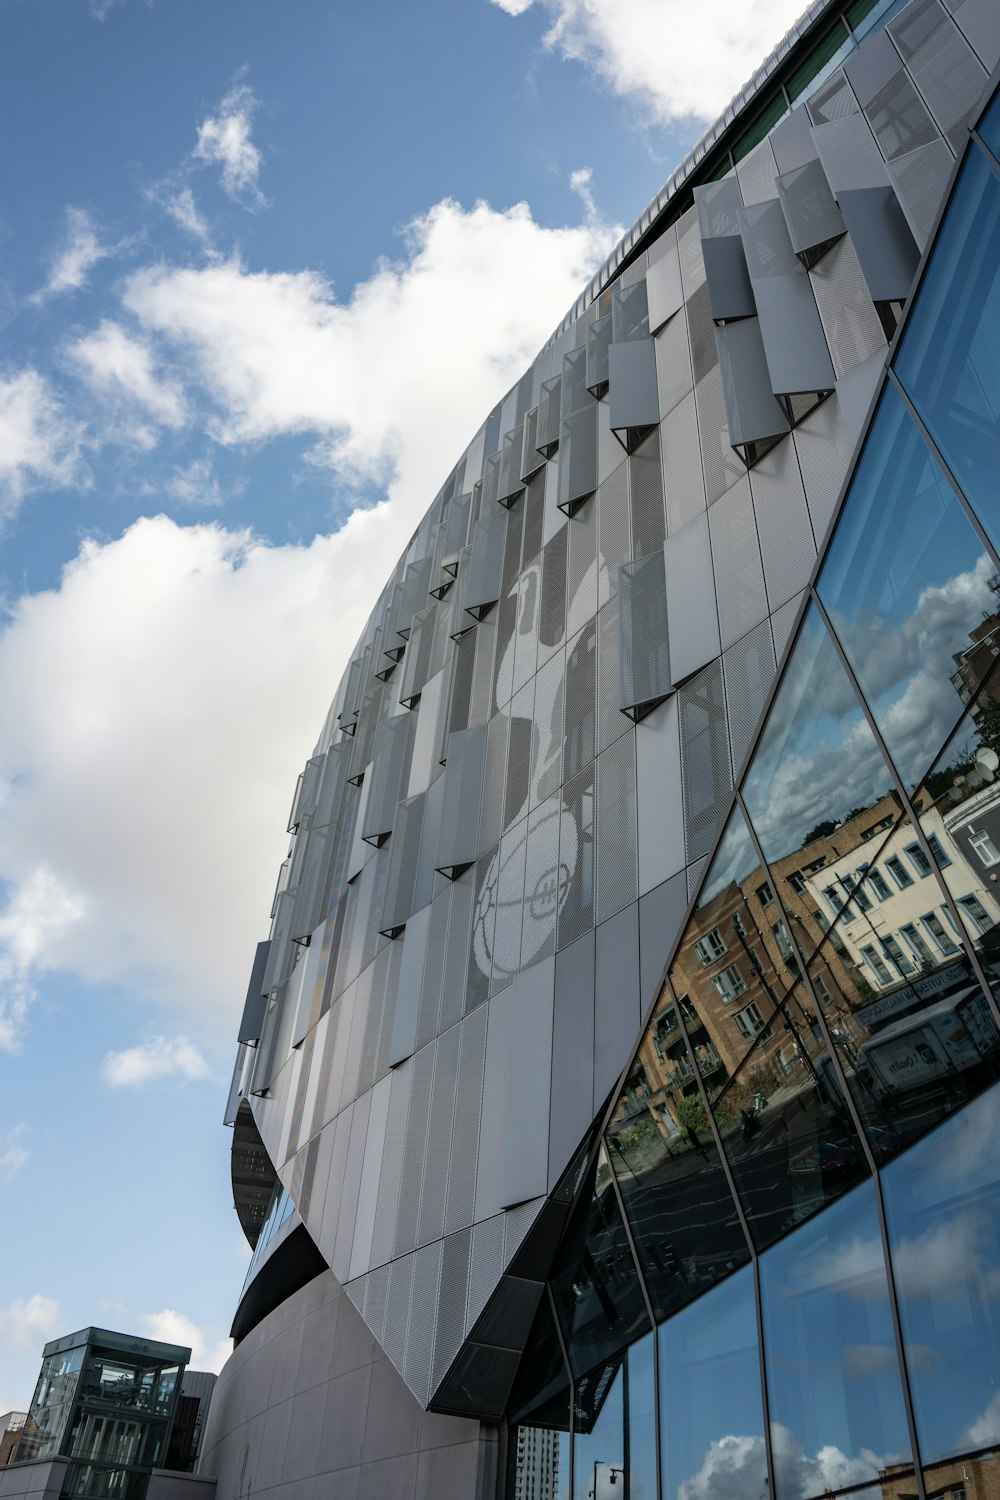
(13, 1155)
(121, 370)
(390, 382)
(160, 1057)
(184, 211)
(674, 59)
(985, 1430)
(80, 252)
(224, 141)
(39, 443)
(145, 791)
(28, 1321)
(735, 1467)
(195, 484)
(172, 1327)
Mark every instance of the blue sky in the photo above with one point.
(263, 270)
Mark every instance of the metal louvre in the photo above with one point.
(886, 249)
(754, 418)
(899, 119)
(549, 408)
(511, 485)
(810, 210)
(706, 771)
(463, 797)
(416, 586)
(611, 723)
(722, 466)
(577, 459)
(756, 174)
(581, 572)
(729, 292)
(633, 403)
(393, 746)
(404, 853)
(629, 312)
(951, 78)
(644, 637)
(919, 179)
(664, 293)
(852, 326)
(598, 345)
(531, 460)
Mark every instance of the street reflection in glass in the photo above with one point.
(906, 582)
(594, 1281)
(711, 1418)
(942, 1205)
(834, 1390)
(817, 765)
(949, 357)
(778, 1108)
(599, 1442)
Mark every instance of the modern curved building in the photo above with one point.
(615, 1108)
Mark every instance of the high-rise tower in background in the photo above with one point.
(616, 1099)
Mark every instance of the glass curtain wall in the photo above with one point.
(784, 1280)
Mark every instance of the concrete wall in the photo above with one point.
(309, 1406)
(169, 1484)
(40, 1478)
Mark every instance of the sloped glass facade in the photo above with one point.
(798, 1182)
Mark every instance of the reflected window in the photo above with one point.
(730, 983)
(876, 963)
(918, 859)
(906, 583)
(710, 947)
(949, 357)
(898, 871)
(934, 926)
(979, 919)
(540, 1416)
(878, 886)
(983, 846)
(917, 943)
(749, 1021)
(836, 1401)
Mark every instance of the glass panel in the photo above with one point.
(834, 1388)
(818, 782)
(949, 358)
(51, 1405)
(989, 126)
(942, 1205)
(683, 1218)
(594, 1282)
(906, 582)
(540, 1406)
(599, 1433)
(912, 1030)
(713, 1447)
(640, 1415)
(757, 1045)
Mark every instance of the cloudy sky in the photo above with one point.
(263, 270)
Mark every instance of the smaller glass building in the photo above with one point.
(107, 1402)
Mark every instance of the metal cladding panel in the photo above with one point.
(683, 480)
(748, 670)
(456, 528)
(951, 79)
(645, 496)
(578, 457)
(340, 1260)
(833, 100)
(980, 24)
(633, 399)
(849, 155)
(810, 209)
(795, 346)
(408, 1203)
(739, 575)
(511, 484)
(255, 1004)
(423, 765)
(527, 1028)
(792, 141)
(721, 463)
(899, 118)
(870, 67)
(397, 1310)
(430, 837)
(661, 915)
(663, 289)
(416, 586)
(574, 394)
(658, 781)
(391, 758)
(920, 179)
(371, 1171)
(617, 835)
(674, 376)
(437, 1156)
(630, 311)
(417, 661)
(418, 1365)
(463, 799)
(598, 344)
(482, 589)
(617, 1006)
(718, 205)
(706, 768)
(692, 620)
(404, 854)
(852, 326)
(549, 410)
(885, 247)
(757, 173)
(751, 410)
(460, 1200)
(572, 1054)
(729, 292)
(787, 543)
